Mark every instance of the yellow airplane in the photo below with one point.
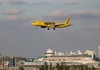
(53, 25)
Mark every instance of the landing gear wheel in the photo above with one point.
(54, 28)
(48, 28)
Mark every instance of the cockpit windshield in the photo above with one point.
(34, 22)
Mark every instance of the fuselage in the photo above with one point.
(38, 23)
(53, 25)
(46, 24)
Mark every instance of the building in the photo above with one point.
(99, 52)
(71, 58)
(76, 58)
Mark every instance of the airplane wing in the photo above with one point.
(58, 25)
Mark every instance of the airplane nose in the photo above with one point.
(32, 24)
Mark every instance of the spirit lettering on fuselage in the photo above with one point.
(49, 23)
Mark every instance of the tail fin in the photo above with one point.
(67, 21)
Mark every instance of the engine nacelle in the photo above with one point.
(43, 26)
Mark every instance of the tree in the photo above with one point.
(86, 67)
(45, 66)
(58, 66)
(20, 68)
(93, 68)
(82, 67)
(41, 68)
(67, 67)
(50, 66)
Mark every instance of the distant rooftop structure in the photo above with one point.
(87, 53)
(71, 57)
(78, 51)
(49, 51)
(99, 52)
(75, 53)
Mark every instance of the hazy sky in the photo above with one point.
(19, 37)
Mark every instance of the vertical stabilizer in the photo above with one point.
(67, 20)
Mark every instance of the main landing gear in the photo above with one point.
(49, 28)
(54, 28)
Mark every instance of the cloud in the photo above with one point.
(1, 3)
(98, 4)
(15, 23)
(79, 15)
(14, 12)
(93, 27)
(41, 3)
(72, 3)
(16, 19)
(17, 2)
(56, 13)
